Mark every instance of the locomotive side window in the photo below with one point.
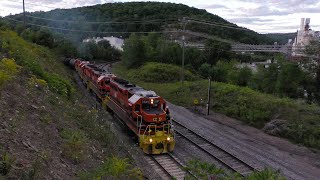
(137, 108)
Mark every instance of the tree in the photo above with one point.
(133, 51)
(313, 88)
(204, 70)
(220, 71)
(45, 38)
(265, 79)
(215, 50)
(289, 82)
(243, 76)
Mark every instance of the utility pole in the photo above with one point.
(209, 92)
(184, 22)
(24, 15)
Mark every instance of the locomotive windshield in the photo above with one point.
(151, 106)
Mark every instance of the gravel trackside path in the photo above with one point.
(249, 144)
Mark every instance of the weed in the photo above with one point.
(8, 69)
(46, 118)
(74, 147)
(6, 163)
(115, 168)
(203, 170)
(35, 171)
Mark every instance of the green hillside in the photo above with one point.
(138, 16)
(282, 38)
(49, 128)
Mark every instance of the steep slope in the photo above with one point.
(139, 16)
(48, 128)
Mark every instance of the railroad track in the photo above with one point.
(227, 159)
(167, 165)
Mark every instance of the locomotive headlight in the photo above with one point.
(168, 138)
(151, 101)
(150, 140)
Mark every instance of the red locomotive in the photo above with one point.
(141, 110)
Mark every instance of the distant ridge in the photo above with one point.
(138, 17)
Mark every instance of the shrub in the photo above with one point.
(114, 168)
(159, 72)
(74, 147)
(5, 164)
(8, 69)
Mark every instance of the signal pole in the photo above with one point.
(184, 22)
(209, 92)
(24, 15)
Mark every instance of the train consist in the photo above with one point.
(142, 111)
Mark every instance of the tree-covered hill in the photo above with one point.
(137, 17)
(282, 38)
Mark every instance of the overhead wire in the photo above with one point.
(39, 5)
(102, 32)
(155, 21)
(121, 22)
(220, 25)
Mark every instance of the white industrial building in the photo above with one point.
(304, 36)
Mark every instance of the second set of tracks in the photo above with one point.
(225, 158)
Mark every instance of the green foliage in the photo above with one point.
(4, 25)
(74, 147)
(266, 174)
(289, 81)
(215, 50)
(91, 121)
(57, 42)
(133, 51)
(204, 70)
(241, 76)
(265, 79)
(6, 163)
(114, 168)
(159, 72)
(283, 79)
(221, 70)
(140, 11)
(99, 51)
(38, 60)
(313, 48)
(8, 69)
(203, 170)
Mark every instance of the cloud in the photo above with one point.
(214, 6)
(249, 20)
(280, 8)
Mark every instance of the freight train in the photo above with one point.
(142, 111)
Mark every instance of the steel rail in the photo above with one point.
(233, 167)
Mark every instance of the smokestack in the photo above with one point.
(302, 24)
(307, 21)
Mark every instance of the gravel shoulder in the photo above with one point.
(251, 144)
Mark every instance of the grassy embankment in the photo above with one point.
(252, 107)
(48, 127)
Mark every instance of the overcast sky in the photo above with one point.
(263, 16)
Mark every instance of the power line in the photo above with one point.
(103, 32)
(220, 25)
(34, 4)
(108, 22)
(198, 20)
